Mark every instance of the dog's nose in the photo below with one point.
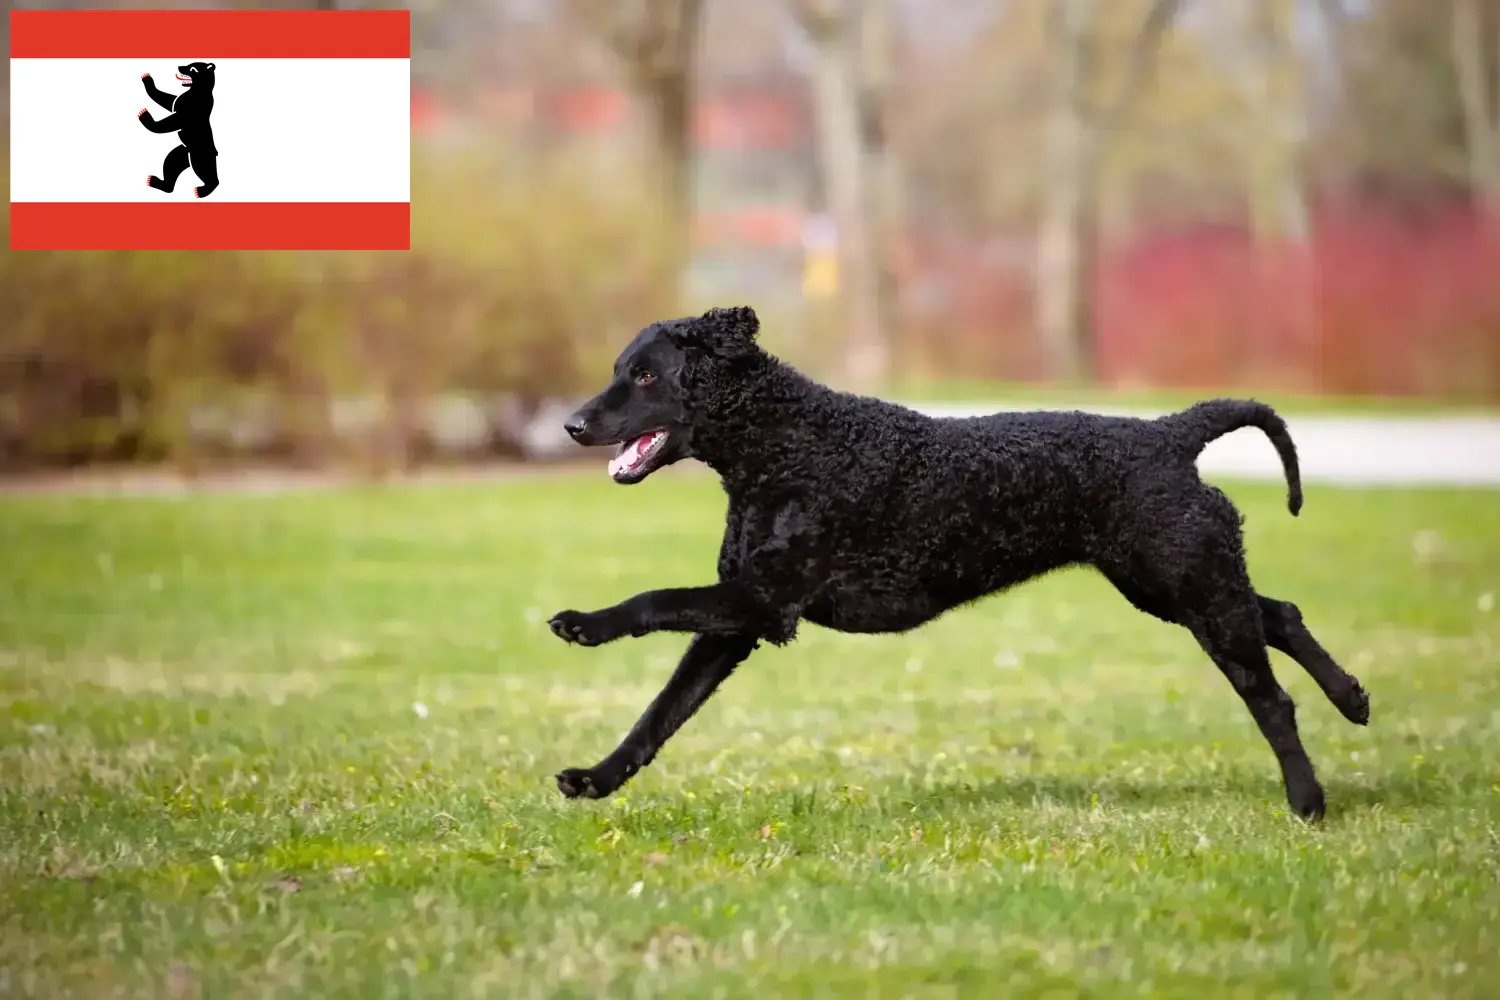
(575, 426)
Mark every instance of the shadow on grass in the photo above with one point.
(959, 799)
(1345, 797)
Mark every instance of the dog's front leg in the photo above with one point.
(764, 598)
(730, 608)
(708, 661)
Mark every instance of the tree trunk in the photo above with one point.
(883, 191)
(657, 41)
(836, 99)
(1278, 201)
(1067, 242)
(1068, 256)
(1078, 138)
(1479, 92)
(671, 95)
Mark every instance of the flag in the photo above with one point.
(210, 130)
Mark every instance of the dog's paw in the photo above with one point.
(581, 783)
(583, 627)
(1355, 704)
(1307, 801)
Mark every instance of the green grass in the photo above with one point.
(1064, 396)
(302, 746)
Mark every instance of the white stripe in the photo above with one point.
(287, 130)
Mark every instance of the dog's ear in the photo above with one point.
(726, 332)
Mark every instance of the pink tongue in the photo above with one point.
(628, 459)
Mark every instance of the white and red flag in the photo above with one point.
(210, 130)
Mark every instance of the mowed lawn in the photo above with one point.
(302, 745)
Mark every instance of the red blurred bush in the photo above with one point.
(1375, 304)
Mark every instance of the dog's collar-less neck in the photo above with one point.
(736, 434)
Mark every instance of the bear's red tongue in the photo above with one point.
(631, 456)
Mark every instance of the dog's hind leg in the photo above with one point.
(1193, 573)
(1141, 597)
(1229, 630)
(1282, 623)
(708, 661)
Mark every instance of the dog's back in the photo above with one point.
(966, 506)
(934, 512)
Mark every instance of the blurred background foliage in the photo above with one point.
(1267, 195)
(519, 292)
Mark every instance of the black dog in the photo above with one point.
(864, 516)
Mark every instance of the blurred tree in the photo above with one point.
(743, 40)
(1476, 61)
(875, 79)
(1396, 128)
(848, 116)
(967, 105)
(657, 41)
(1079, 133)
(1181, 157)
(1273, 127)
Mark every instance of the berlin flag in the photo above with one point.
(210, 130)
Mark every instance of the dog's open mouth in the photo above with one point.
(632, 457)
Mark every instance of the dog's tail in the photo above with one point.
(1203, 422)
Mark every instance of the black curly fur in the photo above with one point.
(863, 516)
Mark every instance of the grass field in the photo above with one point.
(302, 745)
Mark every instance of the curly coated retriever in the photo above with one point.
(864, 516)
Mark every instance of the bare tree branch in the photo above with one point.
(619, 23)
(654, 38)
(657, 41)
(821, 19)
(1140, 68)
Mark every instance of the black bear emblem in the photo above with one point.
(189, 119)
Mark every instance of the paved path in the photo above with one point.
(1347, 450)
(1351, 450)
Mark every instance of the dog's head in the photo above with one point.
(661, 379)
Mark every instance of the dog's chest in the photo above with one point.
(763, 533)
(734, 552)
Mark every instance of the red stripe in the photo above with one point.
(238, 225)
(210, 34)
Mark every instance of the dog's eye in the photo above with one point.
(644, 378)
